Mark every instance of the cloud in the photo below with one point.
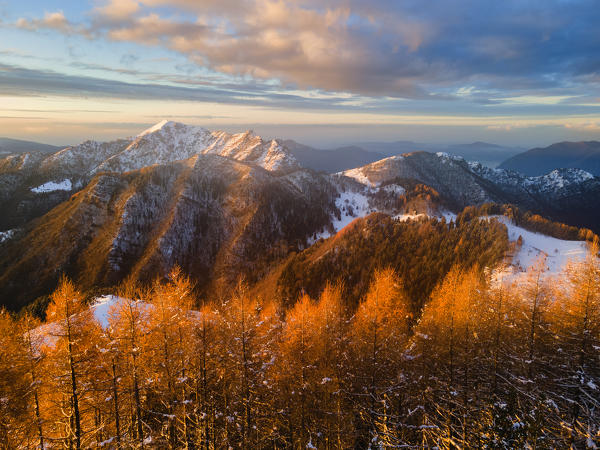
(54, 21)
(584, 126)
(476, 51)
(116, 10)
(19, 81)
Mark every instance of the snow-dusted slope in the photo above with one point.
(556, 253)
(80, 159)
(375, 173)
(171, 141)
(556, 180)
(536, 251)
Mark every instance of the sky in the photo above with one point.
(323, 72)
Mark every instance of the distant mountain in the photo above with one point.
(538, 161)
(571, 196)
(398, 147)
(488, 154)
(8, 146)
(331, 161)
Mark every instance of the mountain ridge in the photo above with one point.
(537, 161)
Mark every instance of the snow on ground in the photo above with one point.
(445, 157)
(102, 306)
(47, 334)
(394, 189)
(358, 175)
(449, 216)
(557, 252)
(155, 127)
(406, 217)
(352, 205)
(6, 235)
(50, 186)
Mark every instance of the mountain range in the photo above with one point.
(351, 156)
(538, 161)
(9, 146)
(226, 205)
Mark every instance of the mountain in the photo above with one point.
(397, 147)
(488, 154)
(331, 161)
(216, 217)
(538, 161)
(421, 251)
(226, 205)
(344, 158)
(26, 179)
(571, 196)
(9, 146)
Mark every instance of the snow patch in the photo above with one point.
(394, 189)
(102, 306)
(6, 235)
(358, 175)
(352, 205)
(407, 217)
(557, 252)
(51, 186)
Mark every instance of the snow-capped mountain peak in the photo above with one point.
(169, 141)
(156, 127)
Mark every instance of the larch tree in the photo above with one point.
(72, 326)
(31, 342)
(535, 343)
(331, 340)
(241, 335)
(575, 321)
(449, 334)
(128, 322)
(295, 373)
(204, 376)
(15, 411)
(380, 330)
(168, 358)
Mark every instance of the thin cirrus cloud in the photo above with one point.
(19, 81)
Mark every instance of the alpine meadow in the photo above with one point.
(299, 224)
